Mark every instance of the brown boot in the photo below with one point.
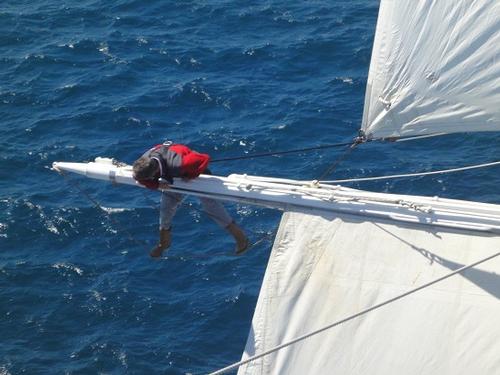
(241, 239)
(164, 243)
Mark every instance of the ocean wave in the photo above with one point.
(3, 229)
(69, 267)
(197, 93)
(115, 210)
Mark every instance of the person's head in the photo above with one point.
(145, 168)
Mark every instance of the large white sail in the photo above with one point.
(435, 68)
(325, 268)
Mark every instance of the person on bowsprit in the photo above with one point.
(156, 169)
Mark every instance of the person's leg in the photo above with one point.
(218, 213)
(168, 207)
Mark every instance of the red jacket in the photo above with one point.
(176, 160)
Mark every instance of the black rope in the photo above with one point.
(98, 206)
(274, 153)
(341, 158)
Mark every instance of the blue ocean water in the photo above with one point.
(78, 292)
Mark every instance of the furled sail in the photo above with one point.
(435, 68)
(324, 268)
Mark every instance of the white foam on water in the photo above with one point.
(3, 228)
(68, 266)
(114, 210)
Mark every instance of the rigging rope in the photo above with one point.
(414, 174)
(97, 205)
(274, 153)
(341, 158)
(362, 312)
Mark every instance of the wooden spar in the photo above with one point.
(279, 194)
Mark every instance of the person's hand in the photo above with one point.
(163, 184)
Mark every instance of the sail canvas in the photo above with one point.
(326, 268)
(435, 68)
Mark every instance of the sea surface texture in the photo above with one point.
(80, 79)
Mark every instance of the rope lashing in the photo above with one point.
(362, 312)
(443, 171)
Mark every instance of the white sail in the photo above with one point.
(325, 268)
(435, 68)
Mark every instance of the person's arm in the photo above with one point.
(163, 184)
(150, 184)
(194, 164)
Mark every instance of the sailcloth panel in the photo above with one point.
(435, 68)
(323, 269)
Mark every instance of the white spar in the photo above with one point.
(279, 194)
(101, 169)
